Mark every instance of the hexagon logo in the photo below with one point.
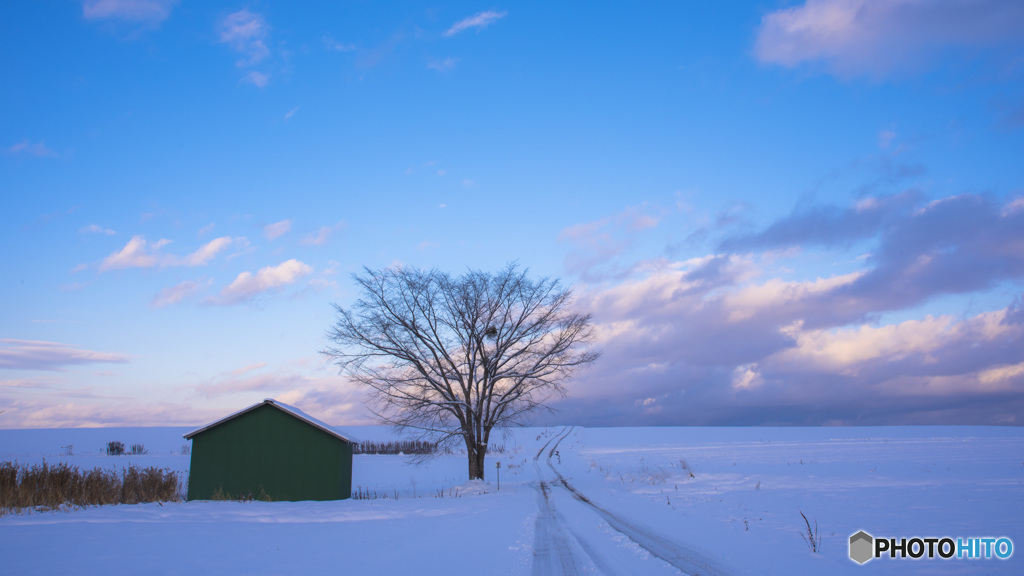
(861, 547)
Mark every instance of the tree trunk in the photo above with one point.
(476, 454)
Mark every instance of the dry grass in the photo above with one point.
(259, 495)
(812, 538)
(50, 487)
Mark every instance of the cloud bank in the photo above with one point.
(722, 339)
(38, 355)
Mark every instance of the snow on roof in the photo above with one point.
(288, 409)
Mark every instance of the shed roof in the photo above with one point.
(287, 409)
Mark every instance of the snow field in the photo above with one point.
(739, 509)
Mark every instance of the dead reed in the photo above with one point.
(51, 486)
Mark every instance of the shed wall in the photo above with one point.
(266, 453)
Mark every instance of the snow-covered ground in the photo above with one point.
(572, 501)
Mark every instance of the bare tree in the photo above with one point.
(455, 357)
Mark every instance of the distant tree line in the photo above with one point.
(416, 447)
(395, 447)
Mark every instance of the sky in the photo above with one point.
(778, 213)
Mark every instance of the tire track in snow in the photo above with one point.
(682, 557)
(554, 552)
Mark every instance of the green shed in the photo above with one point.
(269, 451)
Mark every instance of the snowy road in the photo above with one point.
(561, 550)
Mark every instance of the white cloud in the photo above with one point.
(38, 149)
(1015, 205)
(479, 20)
(746, 377)
(138, 253)
(269, 279)
(885, 139)
(257, 78)
(642, 222)
(291, 113)
(150, 11)
(277, 229)
(319, 238)
(443, 65)
(246, 33)
(1001, 373)
(871, 37)
(205, 253)
(322, 235)
(595, 245)
(96, 229)
(846, 351)
(750, 301)
(176, 293)
(332, 44)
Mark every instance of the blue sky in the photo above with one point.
(777, 212)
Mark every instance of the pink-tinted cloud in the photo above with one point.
(876, 38)
(68, 412)
(177, 293)
(246, 33)
(267, 280)
(596, 247)
(311, 386)
(256, 78)
(40, 355)
(954, 245)
(442, 65)
(335, 46)
(721, 339)
(138, 253)
(96, 229)
(38, 149)
(38, 383)
(250, 379)
(480, 20)
(322, 235)
(148, 11)
(205, 253)
(277, 229)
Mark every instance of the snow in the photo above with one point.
(609, 500)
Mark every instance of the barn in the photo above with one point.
(269, 451)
